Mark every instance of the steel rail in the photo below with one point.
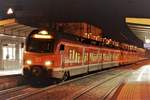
(26, 95)
(84, 91)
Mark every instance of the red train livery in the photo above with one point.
(61, 55)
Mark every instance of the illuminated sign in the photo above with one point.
(43, 32)
(42, 36)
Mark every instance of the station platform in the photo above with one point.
(136, 87)
(10, 72)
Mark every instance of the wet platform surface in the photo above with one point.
(136, 87)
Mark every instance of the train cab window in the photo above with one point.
(87, 41)
(100, 43)
(93, 43)
(82, 40)
(41, 46)
(77, 39)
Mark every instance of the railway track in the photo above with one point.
(84, 93)
(16, 92)
(76, 89)
(10, 81)
(4, 92)
(72, 90)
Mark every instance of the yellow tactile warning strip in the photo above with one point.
(142, 21)
(137, 87)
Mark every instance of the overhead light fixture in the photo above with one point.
(10, 11)
(147, 40)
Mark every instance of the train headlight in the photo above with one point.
(48, 63)
(29, 62)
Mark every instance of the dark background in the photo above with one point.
(107, 14)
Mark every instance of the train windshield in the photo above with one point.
(40, 45)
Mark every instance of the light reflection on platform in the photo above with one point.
(10, 72)
(136, 87)
(141, 75)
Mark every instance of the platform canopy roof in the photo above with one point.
(11, 27)
(140, 27)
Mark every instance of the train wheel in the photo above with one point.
(65, 76)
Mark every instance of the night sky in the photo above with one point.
(107, 14)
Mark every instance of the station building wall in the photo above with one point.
(11, 52)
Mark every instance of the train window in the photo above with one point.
(93, 42)
(77, 39)
(70, 54)
(73, 54)
(62, 47)
(115, 56)
(39, 45)
(97, 43)
(78, 57)
(87, 41)
(85, 57)
(93, 57)
(82, 40)
(100, 43)
(100, 56)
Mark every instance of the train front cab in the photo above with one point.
(39, 55)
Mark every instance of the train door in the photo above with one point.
(73, 56)
(116, 55)
(93, 59)
(121, 57)
(72, 59)
(86, 58)
(100, 58)
(107, 56)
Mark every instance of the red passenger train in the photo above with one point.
(61, 55)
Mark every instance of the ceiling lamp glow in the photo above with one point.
(147, 40)
(10, 11)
